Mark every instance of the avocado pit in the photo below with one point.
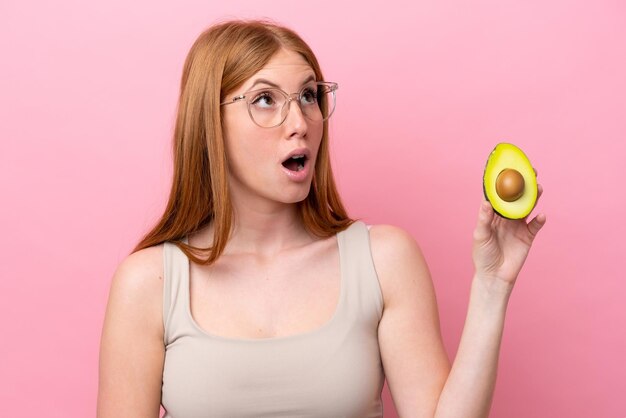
(509, 182)
(510, 185)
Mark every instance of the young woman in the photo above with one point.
(256, 295)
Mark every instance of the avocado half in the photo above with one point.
(509, 182)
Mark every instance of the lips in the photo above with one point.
(297, 159)
(297, 164)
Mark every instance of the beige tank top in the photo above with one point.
(333, 371)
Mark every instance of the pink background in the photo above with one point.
(87, 100)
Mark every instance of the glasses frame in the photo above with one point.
(249, 95)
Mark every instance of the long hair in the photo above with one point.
(222, 58)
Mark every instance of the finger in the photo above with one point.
(536, 224)
(483, 226)
(539, 193)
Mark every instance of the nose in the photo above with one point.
(295, 120)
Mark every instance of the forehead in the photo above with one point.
(286, 68)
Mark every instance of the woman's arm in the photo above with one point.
(468, 391)
(417, 369)
(131, 347)
(413, 355)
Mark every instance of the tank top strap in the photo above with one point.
(364, 296)
(175, 269)
(360, 301)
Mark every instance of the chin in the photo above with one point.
(297, 196)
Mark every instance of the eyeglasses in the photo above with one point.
(268, 107)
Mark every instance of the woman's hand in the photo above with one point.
(501, 245)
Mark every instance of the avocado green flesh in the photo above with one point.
(502, 157)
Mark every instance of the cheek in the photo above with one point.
(248, 152)
(316, 135)
(235, 140)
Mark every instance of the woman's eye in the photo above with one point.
(264, 99)
(309, 96)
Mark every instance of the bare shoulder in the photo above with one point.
(140, 272)
(412, 352)
(131, 346)
(138, 283)
(398, 260)
(137, 287)
(391, 235)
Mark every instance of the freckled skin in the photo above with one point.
(255, 154)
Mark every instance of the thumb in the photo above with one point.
(483, 226)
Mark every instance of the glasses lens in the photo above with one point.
(325, 102)
(267, 107)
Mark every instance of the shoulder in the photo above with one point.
(398, 260)
(140, 270)
(131, 347)
(393, 246)
(412, 351)
(137, 287)
(143, 263)
(389, 239)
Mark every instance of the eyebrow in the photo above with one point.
(269, 83)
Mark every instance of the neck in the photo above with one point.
(263, 228)
(267, 230)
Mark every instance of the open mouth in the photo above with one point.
(295, 163)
